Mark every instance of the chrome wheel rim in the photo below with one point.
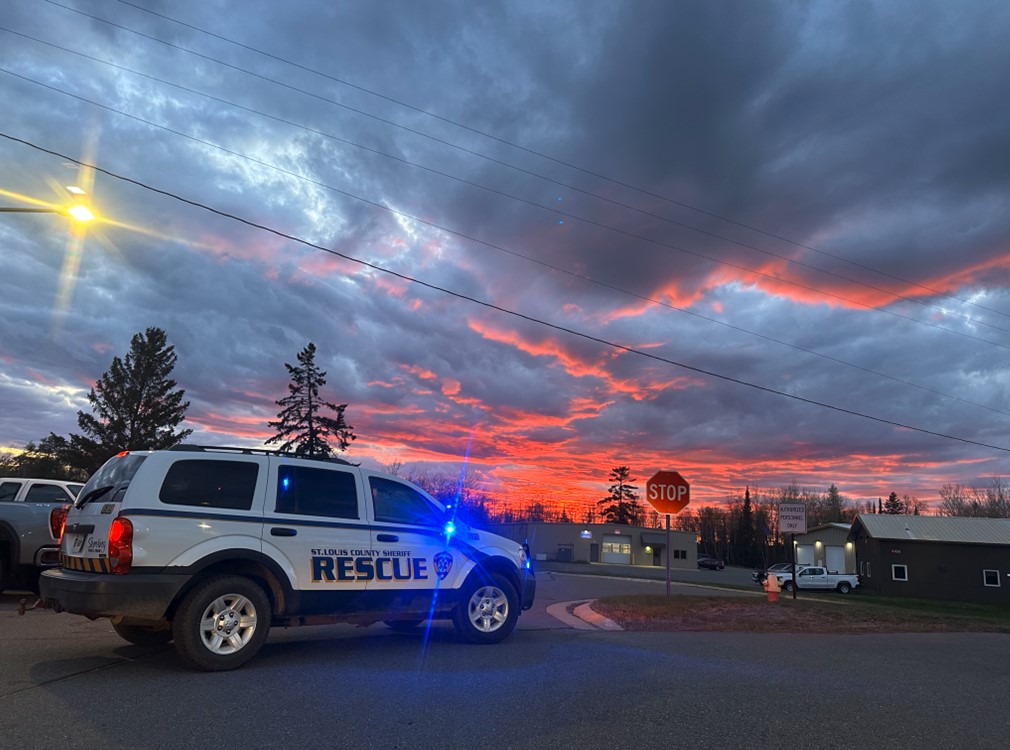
(488, 609)
(228, 624)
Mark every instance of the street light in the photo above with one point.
(76, 211)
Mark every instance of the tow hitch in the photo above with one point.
(39, 604)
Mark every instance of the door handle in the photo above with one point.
(387, 538)
(282, 531)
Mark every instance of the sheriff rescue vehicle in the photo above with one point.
(210, 547)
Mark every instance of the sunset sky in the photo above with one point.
(760, 243)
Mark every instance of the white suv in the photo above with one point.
(209, 547)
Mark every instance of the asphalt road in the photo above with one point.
(69, 683)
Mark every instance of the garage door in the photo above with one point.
(804, 554)
(617, 549)
(836, 559)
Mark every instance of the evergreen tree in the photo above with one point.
(136, 406)
(301, 426)
(746, 552)
(893, 505)
(45, 460)
(834, 505)
(621, 505)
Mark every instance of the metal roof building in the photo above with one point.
(934, 557)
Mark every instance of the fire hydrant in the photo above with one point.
(771, 585)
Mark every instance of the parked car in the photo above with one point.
(817, 577)
(31, 522)
(211, 547)
(778, 569)
(710, 563)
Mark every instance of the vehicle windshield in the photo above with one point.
(115, 474)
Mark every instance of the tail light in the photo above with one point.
(57, 520)
(120, 545)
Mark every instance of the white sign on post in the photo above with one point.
(793, 518)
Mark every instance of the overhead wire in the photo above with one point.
(613, 201)
(492, 306)
(550, 209)
(502, 248)
(548, 157)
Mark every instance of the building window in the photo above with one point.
(867, 568)
(990, 577)
(680, 554)
(899, 572)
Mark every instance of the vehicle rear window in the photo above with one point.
(47, 493)
(317, 492)
(111, 481)
(210, 484)
(9, 491)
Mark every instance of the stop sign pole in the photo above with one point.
(668, 492)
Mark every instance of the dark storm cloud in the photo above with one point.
(876, 132)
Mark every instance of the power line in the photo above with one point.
(518, 199)
(548, 157)
(515, 253)
(491, 305)
(567, 186)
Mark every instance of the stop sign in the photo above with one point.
(668, 492)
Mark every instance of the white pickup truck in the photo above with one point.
(816, 577)
(32, 512)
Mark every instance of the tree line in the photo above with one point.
(137, 405)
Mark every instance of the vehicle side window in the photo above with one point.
(397, 503)
(210, 484)
(47, 493)
(9, 491)
(317, 492)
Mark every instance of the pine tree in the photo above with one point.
(301, 426)
(834, 504)
(621, 505)
(745, 531)
(136, 406)
(893, 505)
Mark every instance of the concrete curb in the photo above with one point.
(579, 615)
(586, 613)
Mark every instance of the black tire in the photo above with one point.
(5, 573)
(143, 635)
(787, 586)
(844, 587)
(488, 609)
(403, 626)
(222, 623)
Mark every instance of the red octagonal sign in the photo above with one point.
(668, 492)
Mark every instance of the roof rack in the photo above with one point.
(255, 452)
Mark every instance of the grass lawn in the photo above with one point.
(809, 613)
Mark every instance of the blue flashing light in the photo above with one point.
(450, 529)
(285, 482)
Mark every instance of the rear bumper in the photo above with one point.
(141, 596)
(47, 557)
